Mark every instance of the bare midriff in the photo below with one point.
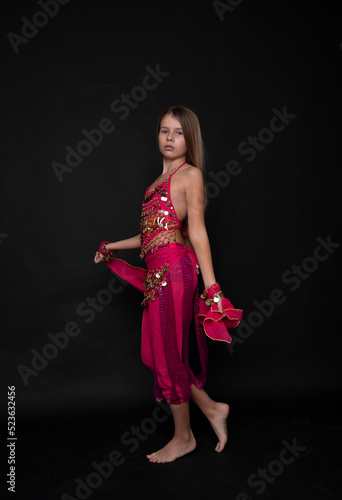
(170, 236)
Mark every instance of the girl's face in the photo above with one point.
(171, 138)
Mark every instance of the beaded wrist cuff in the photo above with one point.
(212, 294)
(107, 254)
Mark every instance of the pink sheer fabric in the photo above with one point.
(168, 318)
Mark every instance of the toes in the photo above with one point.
(219, 447)
(157, 459)
(154, 457)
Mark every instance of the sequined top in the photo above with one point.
(159, 221)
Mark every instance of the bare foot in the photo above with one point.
(219, 423)
(174, 449)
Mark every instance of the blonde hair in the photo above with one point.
(195, 148)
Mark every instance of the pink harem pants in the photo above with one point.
(167, 320)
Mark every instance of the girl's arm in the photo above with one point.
(198, 235)
(194, 192)
(127, 244)
(133, 242)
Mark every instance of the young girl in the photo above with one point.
(175, 246)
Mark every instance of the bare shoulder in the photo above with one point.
(193, 175)
(194, 193)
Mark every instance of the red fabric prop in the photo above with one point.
(214, 323)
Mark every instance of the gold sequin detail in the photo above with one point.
(157, 226)
(155, 279)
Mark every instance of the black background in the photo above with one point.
(233, 73)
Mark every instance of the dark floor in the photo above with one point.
(269, 455)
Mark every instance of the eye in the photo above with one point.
(181, 133)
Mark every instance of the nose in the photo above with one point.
(169, 137)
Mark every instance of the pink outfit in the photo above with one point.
(159, 221)
(171, 300)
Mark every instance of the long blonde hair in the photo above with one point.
(193, 138)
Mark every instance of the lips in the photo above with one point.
(169, 148)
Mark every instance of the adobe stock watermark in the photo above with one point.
(267, 475)
(293, 278)
(30, 28)
(222, 8)
(121, 107)
(87, 309)
(132, 438)
(249, 149)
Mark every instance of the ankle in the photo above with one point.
(184, 436)
(211, 410)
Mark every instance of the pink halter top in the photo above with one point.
(159, 221)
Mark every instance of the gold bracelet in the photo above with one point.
(210, 301)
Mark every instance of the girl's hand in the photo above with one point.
(98, 258)
(219, 303)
